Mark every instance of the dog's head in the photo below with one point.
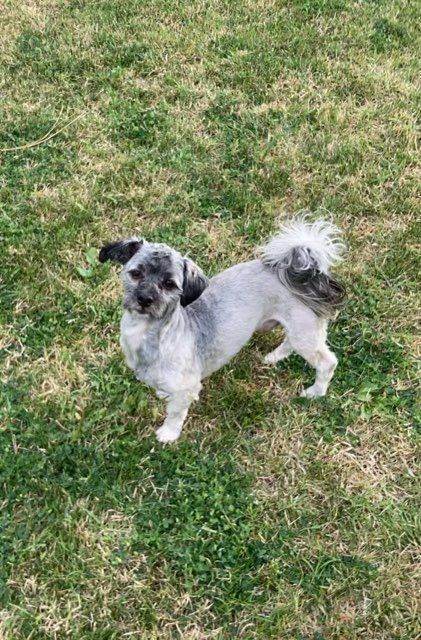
(155, 277)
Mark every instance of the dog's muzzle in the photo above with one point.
(146, 295)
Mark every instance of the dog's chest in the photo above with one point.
(139, 344)
(149, 357)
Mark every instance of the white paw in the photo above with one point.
(312, 392)
(167, 434)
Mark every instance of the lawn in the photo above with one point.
(202, 124)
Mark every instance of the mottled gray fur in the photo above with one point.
(201, 316)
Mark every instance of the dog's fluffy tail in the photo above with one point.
(302, 254)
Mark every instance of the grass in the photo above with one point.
(202, 124)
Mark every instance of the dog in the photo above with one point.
(178, 326)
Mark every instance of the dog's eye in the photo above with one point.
(136, 274)
(169, 283)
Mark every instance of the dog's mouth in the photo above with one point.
(152, 310)
(157, 309)
(135, 306)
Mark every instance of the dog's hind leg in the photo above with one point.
(307, 337)
(280, 353)
(177, 408)
(324, 361)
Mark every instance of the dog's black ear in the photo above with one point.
(120, 251)
(194, 282)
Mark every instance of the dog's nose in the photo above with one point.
(144, 299)
(146, 295)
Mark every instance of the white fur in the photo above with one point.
(321, 237)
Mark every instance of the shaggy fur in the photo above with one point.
(178, 326)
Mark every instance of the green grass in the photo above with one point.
(202, 124)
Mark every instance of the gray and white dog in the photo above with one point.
(178, 327)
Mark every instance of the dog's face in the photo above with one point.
(155, 277)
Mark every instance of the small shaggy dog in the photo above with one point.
(178, 326)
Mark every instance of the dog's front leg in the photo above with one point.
(177, 408)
